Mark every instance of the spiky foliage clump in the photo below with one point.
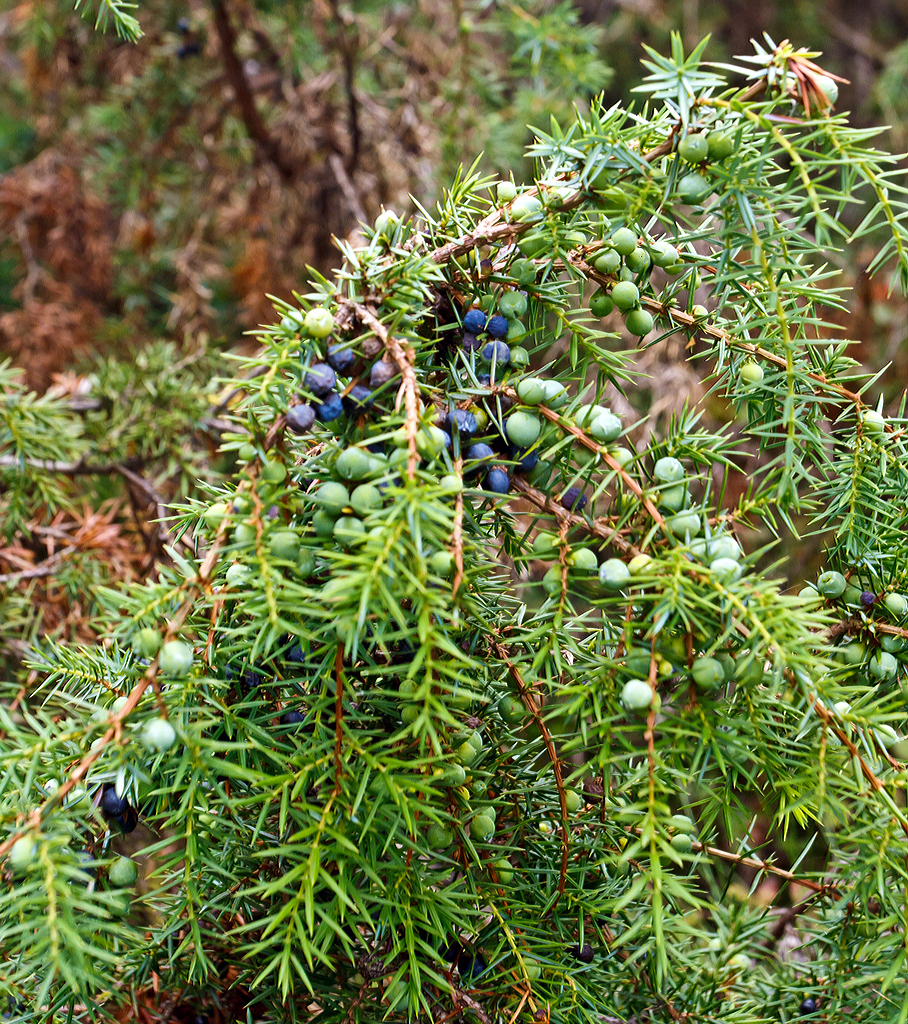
(384, 776)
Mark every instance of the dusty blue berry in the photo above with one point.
(300, 418)
(330, 409)
(498, 326)
(320, 379)
(573, 499)
(341, 359)
(498, 481)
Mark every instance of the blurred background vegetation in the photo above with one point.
(154, 194)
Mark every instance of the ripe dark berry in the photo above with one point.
(497, 326)
(341, 359)
(381, 373)
(127, 821)
(573, 499)
(293, 718)
(583, 953)
(462, 420)
(484, 378)
(251, 679)
(867, 598)
(296, 654)
(808, 1006)
(471, 966)
(358, 398)
(470, 342)
(320, 379)
(498, 481)
(330, 409)
(451, 952)
(480, 451)
(497, 352)
(474, 321)
(525, 460)
(300, 418)
(111, 804)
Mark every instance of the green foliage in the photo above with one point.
(407, 783)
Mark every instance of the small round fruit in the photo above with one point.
(386, 221)
(332, 497)
(583, 559)
(532, 969)
(442, 563)
(682, 823)
(284, 544)
(674, 498)
(349, 530)
(601, 304)
(637, 694)
(512, 305)
(638, 262)
(693, 188)
(158, 735)
(531, 390)
(505, 192)
(175, 658)
(721, 144)
(551, 582)
(503, 869)
(668, 470)
(439, 837)
(520, 357)
(23, 855)
(353, 463)
(897, 605)
(727, 569)
(273, 471)
(319, 322)
(451, 775)
(809, 593)
(213, 516)
(583, 953)
(237, 575)
(526, 208)
(482, 828)
(498, 481)
(873, 422)
(852, 653)
(638, 564)
(684, 524)
(474, 321)
(708, 673)
(625, 295)
(556, 394)
(831, 584)
(693, 148)
(512, 710)
(725, 547)
(639, 322)
(146, 643)
(893, 644)
(573, 801)
(607, 261)
(883, 666)
(605, 428)
(828, 87)
(623, 456)
(665, 254)
(365, 498)
(614, 574)
(751, 373)
(300, 418)
(123, 872)
(809, 1005)
(523, 428)
(681, 843)
(623, 241)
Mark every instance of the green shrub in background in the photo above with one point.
(378, 773)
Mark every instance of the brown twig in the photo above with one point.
(252, 119)
(526, 695)
(409, 388)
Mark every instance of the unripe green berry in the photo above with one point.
(720, 143)
(157, 735)
(624, 241)
(874, 423)
(693, 148)
(751, 373)
(175, 658)
(831, 584)
(123, 872)
(319, 322)
(146, 643)
(668, 470)
(625, 295)
(639, 322)
(707, 673)
(897, 605)
(614, 574)
(637, 694)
